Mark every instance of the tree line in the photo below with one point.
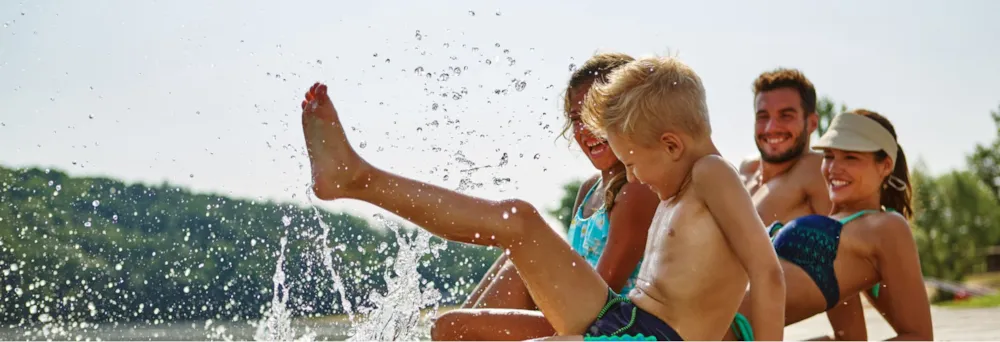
(97, 249)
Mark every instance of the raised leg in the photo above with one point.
(560, 281)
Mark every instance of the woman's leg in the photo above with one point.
(561, 282)
(490, 325)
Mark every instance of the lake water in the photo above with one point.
(324, 330)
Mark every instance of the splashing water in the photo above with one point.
(396, 315)
(277, 323)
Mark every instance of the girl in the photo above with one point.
(611, 218)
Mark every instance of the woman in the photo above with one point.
(865, 242)
(610, 221)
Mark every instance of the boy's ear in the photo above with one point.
(672, 144)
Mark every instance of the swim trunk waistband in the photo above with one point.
(741, 328)
(621, 320)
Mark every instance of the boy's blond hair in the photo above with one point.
(647, 97)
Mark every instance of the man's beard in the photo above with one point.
(796, 151)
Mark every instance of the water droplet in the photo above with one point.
(191, 175)
(574, 264)
(363, 144)
(511, 60)
(387, 60)
(456, 96)
(444, 77)
(58, 187)
(286, 220)
(118, 267)
(114, 217)
(86, 224)
(506, 51)
(253, 242)
(498, 13)
(538, 156)
(477, 235)
(572, 67)
(50, 182)
(375, 54)
(519, 86)
(419, 70)
(420, 129)
(91, 116)
(472, 13)
(497, 44)
(489, 62)
(456, 70)
(433, 107)
(319, 61)
(95, 203)
(428, 75)
(418, 35)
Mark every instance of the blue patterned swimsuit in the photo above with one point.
(589, 235)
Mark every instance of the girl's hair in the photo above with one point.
(892, 198)
(596, 69)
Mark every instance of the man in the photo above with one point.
(785, 181)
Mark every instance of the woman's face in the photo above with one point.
(854, 176)
(596, 149)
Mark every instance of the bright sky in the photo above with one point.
(205, 94)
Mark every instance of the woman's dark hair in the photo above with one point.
(596, 69)
(892, 198)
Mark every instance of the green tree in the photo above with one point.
(956, 217)
(564, 212)
(985, 160)
(826, 109)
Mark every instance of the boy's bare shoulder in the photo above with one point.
(708, 171)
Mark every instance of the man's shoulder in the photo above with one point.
(749, 165)
(809, 165)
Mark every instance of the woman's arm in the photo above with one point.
(903, 298)
(630, 219)
(848, 322)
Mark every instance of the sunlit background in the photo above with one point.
(199, 101)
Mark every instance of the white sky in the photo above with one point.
(187, 92)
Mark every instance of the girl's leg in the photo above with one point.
(485, 282)
(506, 292)
(563, 285)
(490, 325)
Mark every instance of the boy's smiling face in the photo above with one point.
(647, 165)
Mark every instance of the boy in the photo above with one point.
(705, 240)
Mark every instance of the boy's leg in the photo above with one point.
(507, 291)
(561, 282)
(491, 325)
(484, 283)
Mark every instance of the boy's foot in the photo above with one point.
(336, 167)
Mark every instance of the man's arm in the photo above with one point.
(717, 183)
(630, 218)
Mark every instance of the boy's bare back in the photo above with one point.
(690, 276)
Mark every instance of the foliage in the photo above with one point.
(96, 249)
(826, 110)
(564, 212)
(985, 160)
(956, 218)
(990, 301)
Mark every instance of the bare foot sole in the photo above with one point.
(337, 169)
